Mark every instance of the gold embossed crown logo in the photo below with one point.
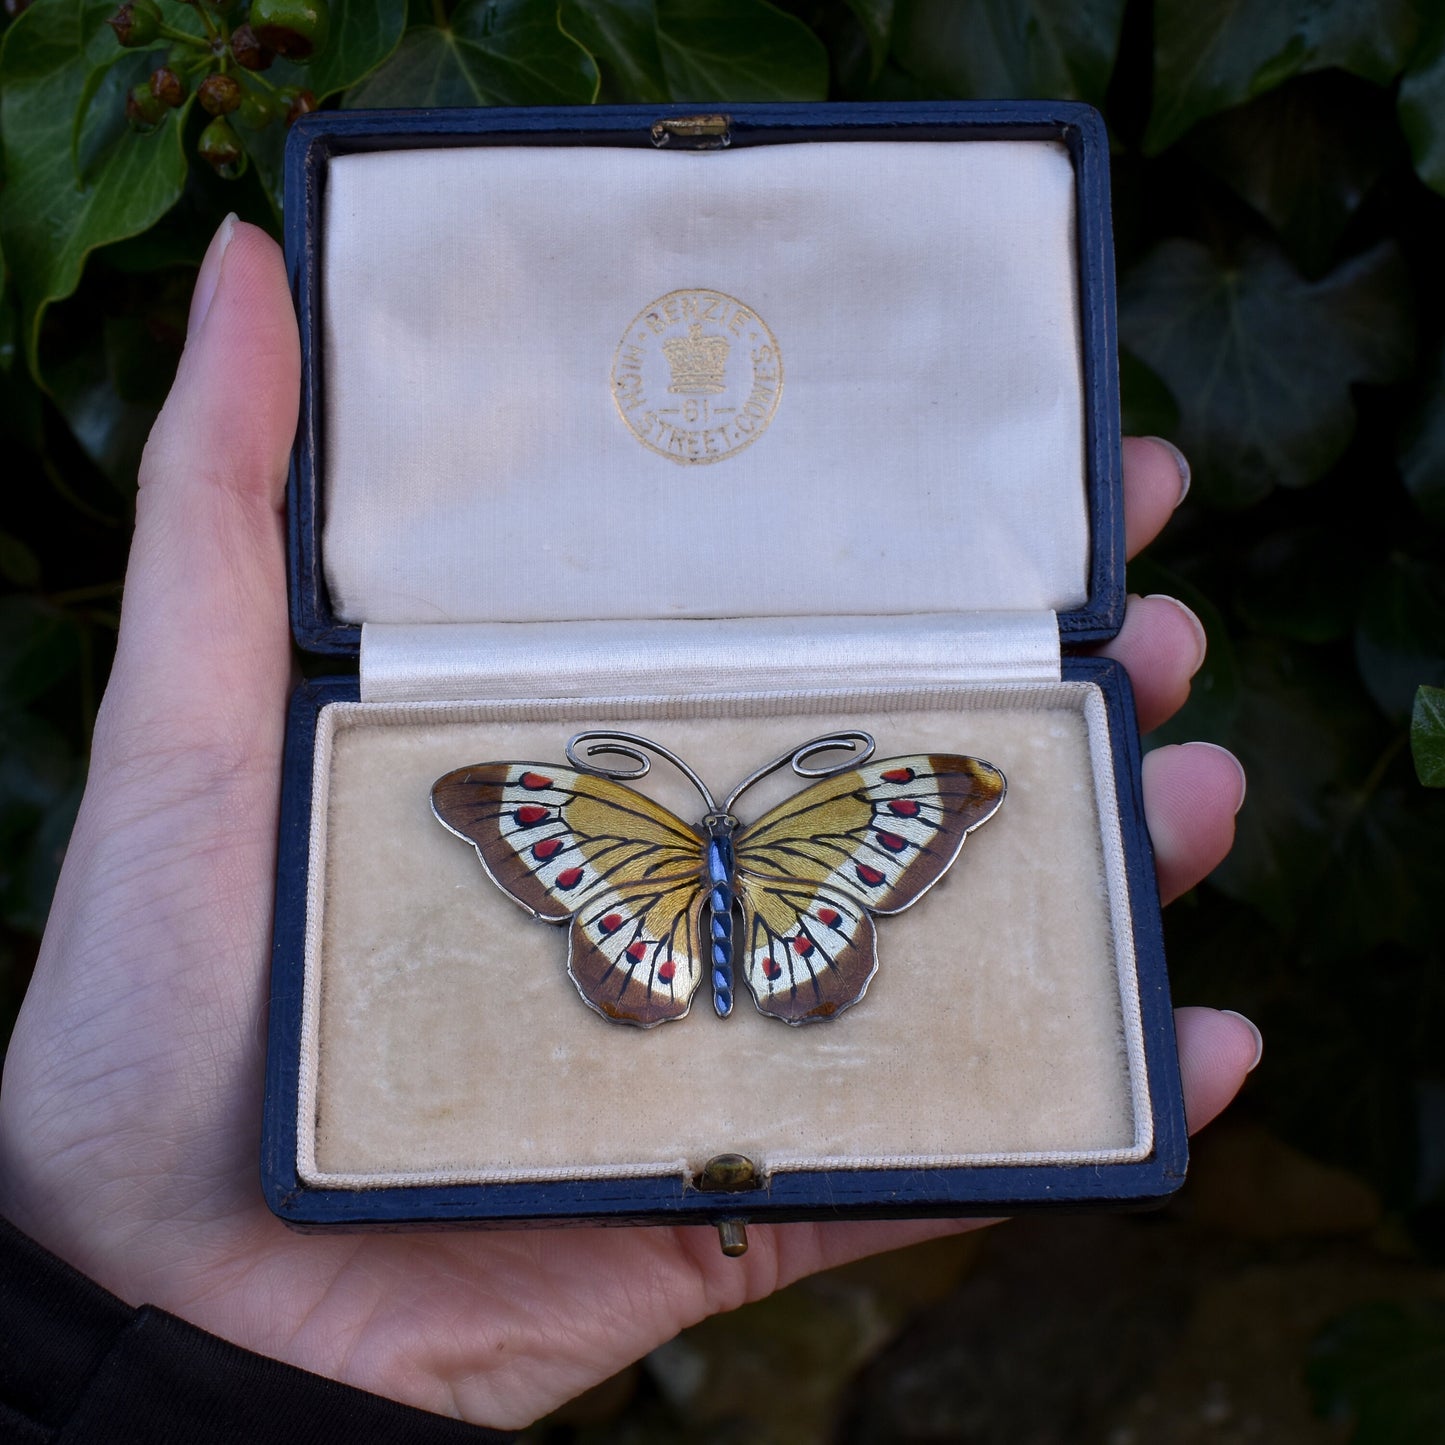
(698, 362)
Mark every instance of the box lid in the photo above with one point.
(859, 362)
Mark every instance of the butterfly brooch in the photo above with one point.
(653, 902)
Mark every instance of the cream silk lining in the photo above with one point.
(421, 663)
(926, 454)
(443, 1041)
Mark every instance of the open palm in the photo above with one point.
(130, 1117)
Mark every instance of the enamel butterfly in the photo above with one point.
(654, 903)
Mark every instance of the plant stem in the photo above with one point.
(184, 36)
(439, 13)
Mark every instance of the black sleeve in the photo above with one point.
(78, 1365)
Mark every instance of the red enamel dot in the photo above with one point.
(611, 923)
(771, 968)
(802, 945)
(530, 815)
(871, 876)
(637, 951)
(667, 971)
(891, 841)
(898, 775)
(828, 916)
(535, 782)
(904, 808)
(569, 877)
(548, 848)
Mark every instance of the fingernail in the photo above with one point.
(1238, 768)
(209, 275)
(1254, 1029)
(1180, 461)
(1200, 639)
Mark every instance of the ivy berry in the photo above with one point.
(221, 149)
(296, 29)
(297, 103)
(168, 87)
(248, 51)
(219, 94)
(136, 24)
(142, 110)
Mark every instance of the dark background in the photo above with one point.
(1280, 225)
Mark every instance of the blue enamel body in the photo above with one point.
(720, 865)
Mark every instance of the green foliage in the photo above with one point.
(1422, 105)
(490, 52)
(1279, 173)
(1427, 735)
(994, 48)
(1260, 361)
(1212, 56)
(63, 199)
(1382, 1367)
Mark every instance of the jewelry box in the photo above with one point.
(730, 430)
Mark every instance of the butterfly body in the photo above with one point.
(653, 903)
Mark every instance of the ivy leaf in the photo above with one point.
(1299, 735)
(1300, 580)
(50, 221)
(1400, 639)
(39, 645)
(876, 18)
(19, 566)
(109, 394)
(93, 82)
(493, 52)
(1260, 361)
(698, 50)
(989, 49)
(738, 50)
(1210, 57)
(1383, 1365)
(1427, 735)
(364, 33)
(1385, 877)
(1304, 156)
(1422, 462)
(1422, 106)
(1147, 405)
(621, 36)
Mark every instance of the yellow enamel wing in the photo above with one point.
(653, 902)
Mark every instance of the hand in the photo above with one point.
(130, 1117)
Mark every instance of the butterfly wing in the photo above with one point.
(874, 839)
(627, 873)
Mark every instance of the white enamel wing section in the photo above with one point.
(828, 933)
(616, 924)
(532, 820)
(870, 863)
(907, 823)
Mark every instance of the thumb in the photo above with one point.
(202, 661)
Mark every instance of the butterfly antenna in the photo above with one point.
(604, 743)
(849, 741)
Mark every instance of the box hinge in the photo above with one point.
(693, 132)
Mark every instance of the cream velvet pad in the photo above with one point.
(927, 414)
(443, 1041)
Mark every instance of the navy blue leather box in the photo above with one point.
(908, 518)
